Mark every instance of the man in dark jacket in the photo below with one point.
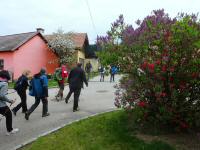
(39, 86)
(76, 78)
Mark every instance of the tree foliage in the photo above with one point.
(63, 46)
(162, 59)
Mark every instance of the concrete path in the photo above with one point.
(97, 97)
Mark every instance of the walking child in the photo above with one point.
(21, 87)
(4, 109)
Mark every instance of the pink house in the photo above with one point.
(24, 51)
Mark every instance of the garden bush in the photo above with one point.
(161, 60)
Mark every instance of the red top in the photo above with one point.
(64, 74)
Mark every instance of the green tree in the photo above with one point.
(161, 58)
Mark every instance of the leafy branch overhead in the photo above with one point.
(61, 43)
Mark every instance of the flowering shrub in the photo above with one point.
(162, 59)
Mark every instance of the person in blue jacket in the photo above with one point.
(39, 89)
(113, 71)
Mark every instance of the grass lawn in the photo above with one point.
(103, 132)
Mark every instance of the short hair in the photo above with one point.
(79, 64)
(26, 72)
(43, 70)
(5, 74)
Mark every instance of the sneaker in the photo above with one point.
(12, 132)
(45, 115)
(57, 97)
(14, 112)
(26, 116)
(76, 110)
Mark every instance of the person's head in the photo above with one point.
(63, 67)
(26, 73)
(4, 75)
(79, 64)
(43, 71)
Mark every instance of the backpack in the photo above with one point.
(36, 87)
(101, 69)
(31, 91)
(18, 84)
(64, 72)
(113, 70)
(57, 75)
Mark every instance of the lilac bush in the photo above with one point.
(161, 60)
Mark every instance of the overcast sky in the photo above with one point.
(19, 16)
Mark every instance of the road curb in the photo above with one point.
(59, 127)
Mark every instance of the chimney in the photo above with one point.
(41, 30)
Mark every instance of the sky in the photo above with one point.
(20, 16)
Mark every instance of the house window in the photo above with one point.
(1, 63)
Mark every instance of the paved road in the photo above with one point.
(96, 98)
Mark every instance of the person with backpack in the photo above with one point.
(60, 75)
(113, 71)
(4, 109)
(102, 72)
(39, 89)
(76, 79)
(21, 87)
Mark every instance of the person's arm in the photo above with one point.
(26, 84)
(3, 92)
(84, 79)
(69, 76)
(45, 85)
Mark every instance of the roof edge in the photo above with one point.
(23, 42)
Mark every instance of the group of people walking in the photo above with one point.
(113, 70)
(38, 87)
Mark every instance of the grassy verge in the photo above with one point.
(104, 132)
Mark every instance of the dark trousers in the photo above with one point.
(76, 92)
(112, 77)
(5, 111)
(61, 89)
(23, 104)
(37, 102)
(88, 76)
(102, 77)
